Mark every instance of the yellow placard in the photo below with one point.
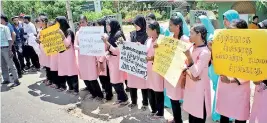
(240, 53)
(170, 59)
(51, 38)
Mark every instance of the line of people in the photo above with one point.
(197, 85)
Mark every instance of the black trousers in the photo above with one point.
(106, 85)
(176, 110)
(193, 119)
(94, 88)
(121, 94)
(133, 93)
(55, 78)
(30, 54)
(48, 74)
(225, 119)
(16, 60)
(156, 100)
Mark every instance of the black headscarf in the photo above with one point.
(64, 25)
(102, 22)
(141, 35)
(115, 32)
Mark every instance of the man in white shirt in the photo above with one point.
(7, 55)
(28, 50)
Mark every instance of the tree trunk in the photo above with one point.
(69, 15)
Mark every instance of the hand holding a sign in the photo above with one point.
(101, 67)
(150, 58)
(225, 79)
(155, 46)
(105, 38)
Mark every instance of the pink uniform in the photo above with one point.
(54, 62)
(154, 80)
(198, 93)
(259, 107)
(103, 60)
(136, 82)
(43, 58)
(88, 65)
(175, 93)
(116, 75)
(233, 100)
(67, 60)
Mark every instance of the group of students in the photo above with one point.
(193, 90)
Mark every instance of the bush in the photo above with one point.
(93, 16)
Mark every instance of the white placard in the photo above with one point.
(90, 42)
(133, 59)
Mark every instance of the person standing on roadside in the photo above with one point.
(6, 54)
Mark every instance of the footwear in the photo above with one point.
(61, 89)
(100, 100)
(124, 103)
(132, 106)
(75, 93)
(127, 89)
(117, 102)
(53, 86)
(171, 121)
(150, 115)
(156, 117)
(84, 89)
(15, 84)
(48, 83)
(5, 82)
(143, 108)
(69, 91)
(90, 97)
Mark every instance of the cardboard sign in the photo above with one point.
(51, 38)
(170, 59)
(240, 53)
(133, 59)
(90, 42)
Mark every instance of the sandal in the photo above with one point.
(69, 91)
(150, 115)
(144, 108)
(61, 89)
(75, 93)
(156, 117)
(132, 106)
(124, 103)
(171, 121)
(44, 81)
(116, 102)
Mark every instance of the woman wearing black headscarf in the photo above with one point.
(113, 58)
(67, 65)
(134, 82)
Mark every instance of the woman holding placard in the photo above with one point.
(213, 76)
(155, 81)
(233, 95)
(113, 58)
(134, 82)
(67, 65)
(175, 94)
(88, 67)
(197, 97)
(259, 107)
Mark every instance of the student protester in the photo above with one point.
(88, 67)
(151, 17)
(113, 58)
(233, 95)
(197, 97)
(104, 75)
(155, 81)
(176, 26)
(28, 50)
(212, 75)
(6, 55)
(19, 42)
(139, 36)
(254, 23)
(43, 58)
(259, 108)
(185, 30)
(67, 65)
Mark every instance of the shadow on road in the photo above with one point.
(51, 95)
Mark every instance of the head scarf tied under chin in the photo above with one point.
(185, 27)
(208, 25)
(115, 32)
(231, 15)
(141, 35)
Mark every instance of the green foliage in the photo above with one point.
(93, 16)
(51, 8)
(206, 6)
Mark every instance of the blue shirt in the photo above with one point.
(19, 35)
(5, 35)
(10, 28)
